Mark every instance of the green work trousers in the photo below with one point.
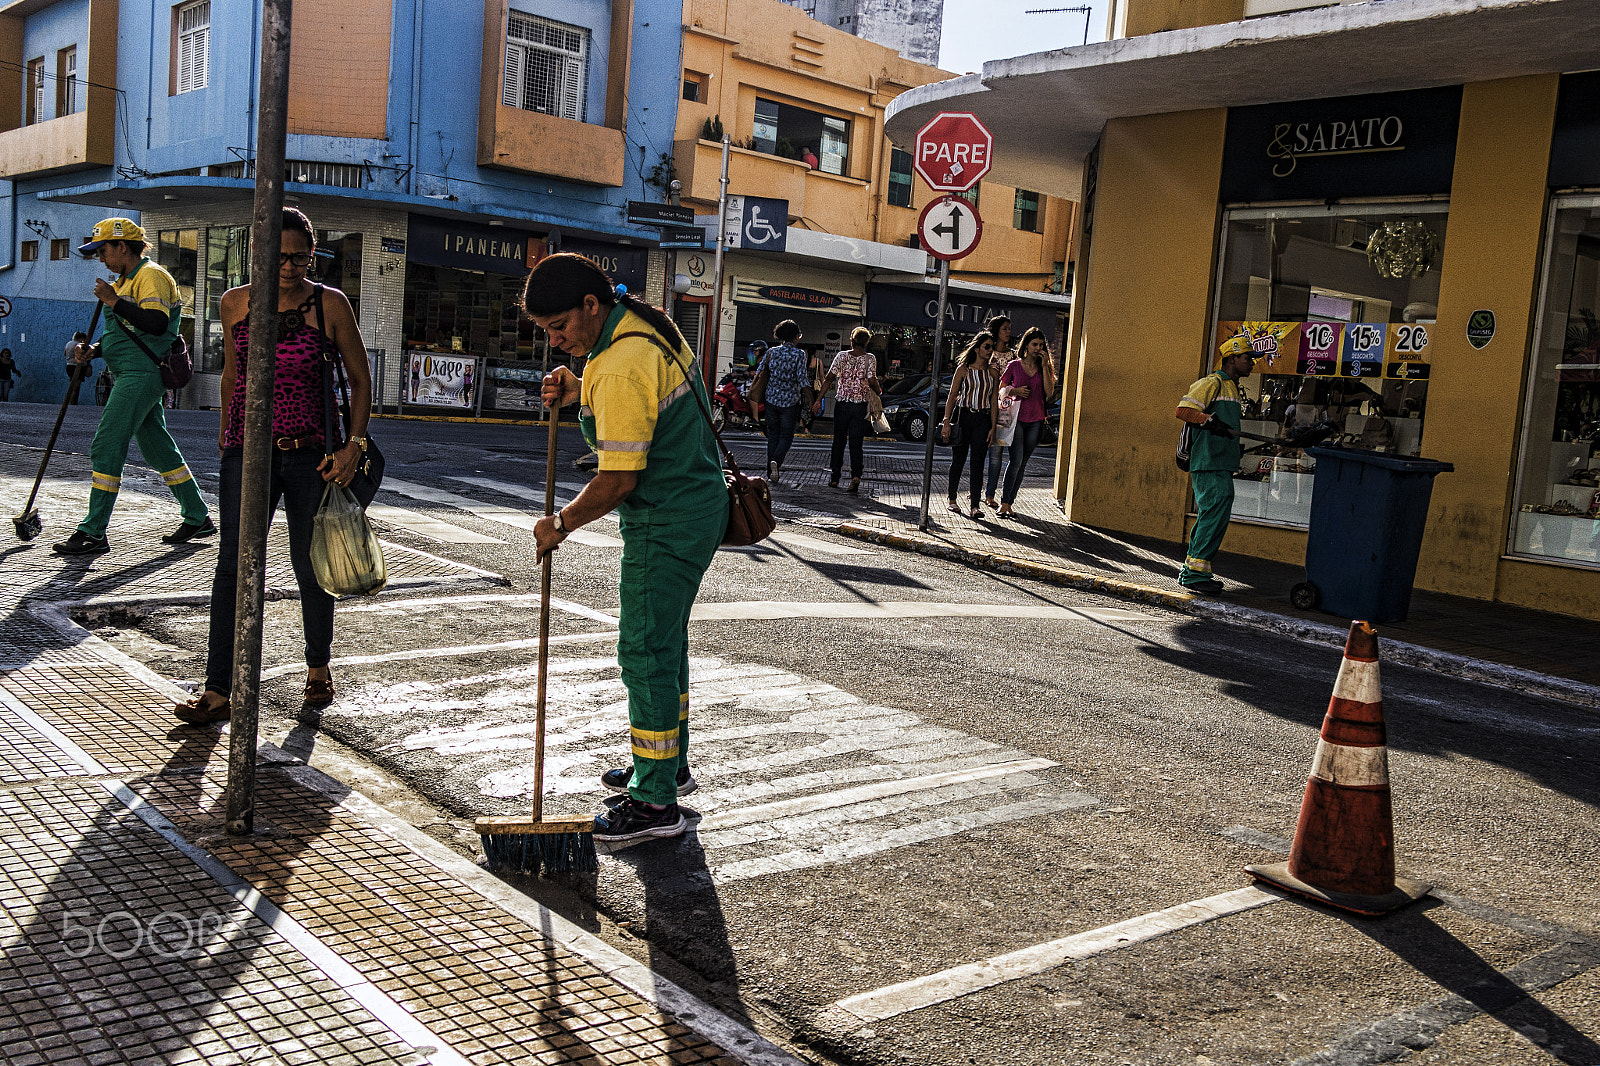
(662, 566)
(1213, 504)
(133, 412)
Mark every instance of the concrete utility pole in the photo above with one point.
(266, 232)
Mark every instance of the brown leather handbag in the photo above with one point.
(750, 518)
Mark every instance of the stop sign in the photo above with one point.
(953, 151)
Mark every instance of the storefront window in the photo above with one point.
(227, 265)
(1558, 495)
(178, 251)
(1341, 339)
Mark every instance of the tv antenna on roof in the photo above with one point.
(1083, 10)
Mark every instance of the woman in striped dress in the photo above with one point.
(973, 403)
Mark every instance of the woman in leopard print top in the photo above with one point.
(302, 462)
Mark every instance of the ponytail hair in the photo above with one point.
(560, 282)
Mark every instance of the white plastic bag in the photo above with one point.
(1006, 422)
(345, 553)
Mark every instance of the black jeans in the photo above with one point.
(297, 483)
(1022, 446)
(976, 425)
(849, 423)
(780, 431)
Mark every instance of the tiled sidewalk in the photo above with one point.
(133, 929)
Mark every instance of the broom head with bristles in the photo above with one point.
(534, 847)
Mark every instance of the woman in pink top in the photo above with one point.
(856, 371)
(302, 462)
(1031, 379)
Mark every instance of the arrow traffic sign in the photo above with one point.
(949, 228)
(953, 151)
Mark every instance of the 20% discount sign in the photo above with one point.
(952, 154)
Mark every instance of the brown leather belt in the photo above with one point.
(295, 444)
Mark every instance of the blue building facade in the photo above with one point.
(438, 146)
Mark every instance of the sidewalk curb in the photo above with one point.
(1323, 634)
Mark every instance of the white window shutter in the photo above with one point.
(202, 57)
(185, 63)
(572, 90)
(511, 95)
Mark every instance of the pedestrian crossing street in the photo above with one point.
(794, 772)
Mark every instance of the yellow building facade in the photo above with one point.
(1417, 264)
(782, 84)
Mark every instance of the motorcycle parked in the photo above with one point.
(730, 404)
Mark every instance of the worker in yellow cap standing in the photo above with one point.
(142, 304)
(1212, 406)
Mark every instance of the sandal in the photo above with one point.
(833, 482)
(994, 504)
(319, 692)
(977, 512)
(197, 710)
(955, 507)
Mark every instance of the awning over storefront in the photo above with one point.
(914, 302)
(1047, 110)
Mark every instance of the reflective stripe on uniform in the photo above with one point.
(176, 477)
(673, 396)
(622, 445)
(1202, 565)
(683, 707)
(655, 744)
(106, 482)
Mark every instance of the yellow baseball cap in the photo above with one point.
(111, 229)
(1236, 345)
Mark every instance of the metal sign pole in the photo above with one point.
(933, 393)
(709, 370)
(266, 232)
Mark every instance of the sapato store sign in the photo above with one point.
(1385, 144)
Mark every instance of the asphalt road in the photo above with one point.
(907, 768)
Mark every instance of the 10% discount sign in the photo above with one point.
(953, 152)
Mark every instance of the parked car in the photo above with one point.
(907, 412)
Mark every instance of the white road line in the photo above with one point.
(847, 797)
(533, 494)
(504, 515)
(897, 609)
(426, 525)
(527, 492)
(445, 653)
(856, 1011)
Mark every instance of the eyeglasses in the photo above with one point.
(299, 259)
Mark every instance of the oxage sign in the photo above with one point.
(440, 380)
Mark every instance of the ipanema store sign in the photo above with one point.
(1384, 144)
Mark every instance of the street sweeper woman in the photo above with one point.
(143, 311)
(641, 412)
(300, 462)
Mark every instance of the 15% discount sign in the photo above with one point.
(952, 154)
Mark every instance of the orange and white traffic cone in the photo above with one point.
(1343, 852)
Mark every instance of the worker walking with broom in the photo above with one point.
(143, 301)
(1212, 406)
(660, 472)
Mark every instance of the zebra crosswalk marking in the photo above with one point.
(426, 525)
(766, 748)
(504, 515)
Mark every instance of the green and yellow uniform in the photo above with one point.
(133, 410)
(1213, 460)
(640, 414)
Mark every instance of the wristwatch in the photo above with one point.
(561, 524)
(359, 442)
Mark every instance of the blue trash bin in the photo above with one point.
(1368, 510)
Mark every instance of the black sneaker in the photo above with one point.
(189, 531)
(1205, 588)
(632, 820)
(617, 780)
(80, 543)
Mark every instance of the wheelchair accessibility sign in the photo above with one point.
(757, 224)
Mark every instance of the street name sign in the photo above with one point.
(949, 228)
(953, 151)
(651, 214)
